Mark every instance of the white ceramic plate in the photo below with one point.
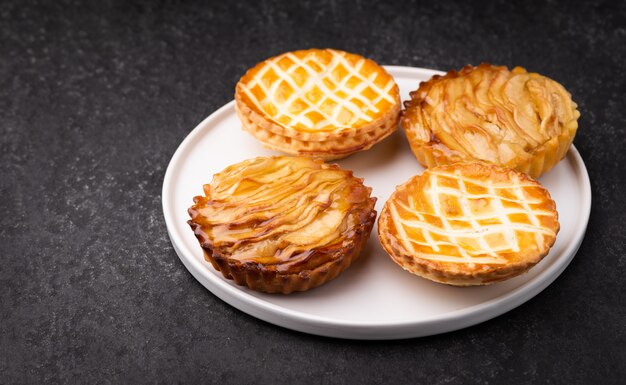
(374, 298)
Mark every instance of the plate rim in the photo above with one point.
(314, 324)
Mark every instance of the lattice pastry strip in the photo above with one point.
(468, 223)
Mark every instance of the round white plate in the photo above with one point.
(374, 298)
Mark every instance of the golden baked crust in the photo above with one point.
(319, 102)
(468, 224)
(283, 224)
(516, 119)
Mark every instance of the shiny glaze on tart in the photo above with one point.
(515, 119)
(318, 102)
(468, 224)
(282, 224)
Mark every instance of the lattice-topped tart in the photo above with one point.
(515, 119)
(319, 102)
(283, 224)
(468, 224)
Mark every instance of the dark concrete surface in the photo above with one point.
(96, 97)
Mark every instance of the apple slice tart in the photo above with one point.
(468, 224)
(320, 103)
(511, 118)
(282, 224)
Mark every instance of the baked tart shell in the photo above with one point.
(258, 277)
(342, 145)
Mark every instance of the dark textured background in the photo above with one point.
(94, 100)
